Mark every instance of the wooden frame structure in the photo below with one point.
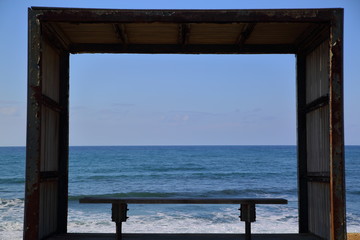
(315, 36)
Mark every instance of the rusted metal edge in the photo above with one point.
(184, 16)
(337, 158)
(33, 132)
(185, 49)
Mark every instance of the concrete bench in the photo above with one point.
(119, 207)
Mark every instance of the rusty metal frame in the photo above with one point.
(32, 185)
(36, 100)
(182, 16)
(330, 26)
(337, 159)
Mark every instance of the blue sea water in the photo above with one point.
(174, 171)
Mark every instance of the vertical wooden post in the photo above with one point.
(337, 159)
(301, 143)
(33, 134)
(247, 230)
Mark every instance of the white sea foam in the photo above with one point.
(11, 219)
(225, 221)
(269, 219)
(353, 223)
(87, 221)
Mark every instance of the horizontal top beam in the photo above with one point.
(79, 30)
(182, 16)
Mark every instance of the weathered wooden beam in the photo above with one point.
(245, 33)
(121, 33)
(182, 49)
(182, 16)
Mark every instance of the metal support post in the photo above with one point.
(119, 215)
(247, 215)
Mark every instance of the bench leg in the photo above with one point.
(119, 215)
(247, 215)
(118, 231)
(247, 230)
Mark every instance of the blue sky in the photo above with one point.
(120, 99)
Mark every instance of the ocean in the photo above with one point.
(174, 171)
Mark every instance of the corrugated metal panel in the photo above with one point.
(89, 32)
(48, 208)
(319, 209)
(49, 151)
(318, 140)
(49, 140)
(152, 33)
(276, 33)
(318, 148)
(49, 116)
(317, 73)
(168, 33)
(50, 71)
(205, 33)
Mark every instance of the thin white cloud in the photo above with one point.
(11, 108)
(8, 111)
(123, 105)
(175, 118)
